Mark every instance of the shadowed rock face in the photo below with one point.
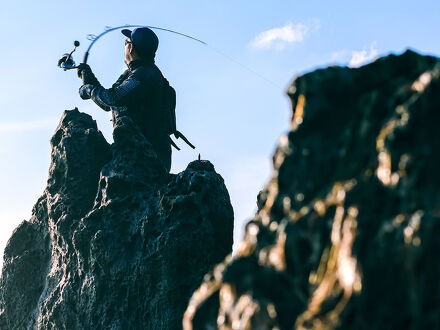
(114, 242)
(347, 232)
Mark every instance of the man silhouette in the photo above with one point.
(138, 93)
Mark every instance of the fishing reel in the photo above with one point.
(66, 62)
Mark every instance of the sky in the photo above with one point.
(231, 99)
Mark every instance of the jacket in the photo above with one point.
(139, 94)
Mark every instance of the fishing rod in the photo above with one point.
(67, 63)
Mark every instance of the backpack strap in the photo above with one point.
(170, 94)
(173, 143)
(178, 135)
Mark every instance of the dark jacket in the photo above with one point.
(139, 94)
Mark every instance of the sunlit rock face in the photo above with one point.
(347, 232)
(114, 242)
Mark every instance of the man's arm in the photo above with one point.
(89, 78)
(117, 95)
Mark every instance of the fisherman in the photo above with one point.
(138, 93)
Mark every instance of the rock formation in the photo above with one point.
(114, 242)
(347, 231)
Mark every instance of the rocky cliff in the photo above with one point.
(347, 232)
(114, 242)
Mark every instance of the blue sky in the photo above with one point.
(230, 113)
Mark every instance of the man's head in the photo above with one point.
(141, 43)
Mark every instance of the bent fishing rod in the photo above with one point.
(67, 63)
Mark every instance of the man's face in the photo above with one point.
(128, 50)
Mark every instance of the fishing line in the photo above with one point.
(216, 50)
(243, 66)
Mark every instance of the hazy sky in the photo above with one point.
(231, 114)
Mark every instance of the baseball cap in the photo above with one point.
(144, 40)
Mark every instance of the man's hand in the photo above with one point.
(83, 69)
(87, 76)
(85, 91)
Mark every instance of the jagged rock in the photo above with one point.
(346, 235)
(115, 242)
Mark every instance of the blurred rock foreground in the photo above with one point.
(347, 235)
(114, 242)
